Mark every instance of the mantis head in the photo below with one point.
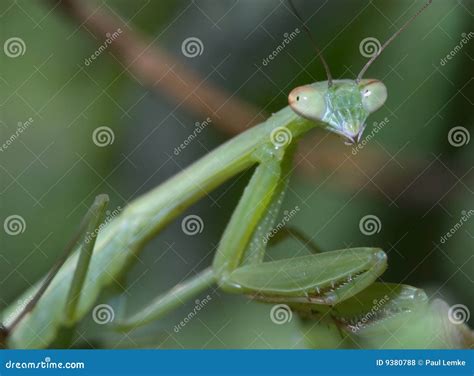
(343, 106)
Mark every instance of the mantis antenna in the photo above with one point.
(369, 63)
(308, 31)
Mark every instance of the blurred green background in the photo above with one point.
(410, 176)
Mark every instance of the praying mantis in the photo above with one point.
(340, 285)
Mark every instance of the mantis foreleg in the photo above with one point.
(325, 278)
(243, 238)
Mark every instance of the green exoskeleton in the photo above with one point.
(338, 284)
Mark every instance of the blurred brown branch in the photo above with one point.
(155, 68)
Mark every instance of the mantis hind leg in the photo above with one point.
(296, 234)
(169, 301)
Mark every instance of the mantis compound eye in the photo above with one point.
(308, 102)
(374, 94)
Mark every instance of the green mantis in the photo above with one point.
(339, 284)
